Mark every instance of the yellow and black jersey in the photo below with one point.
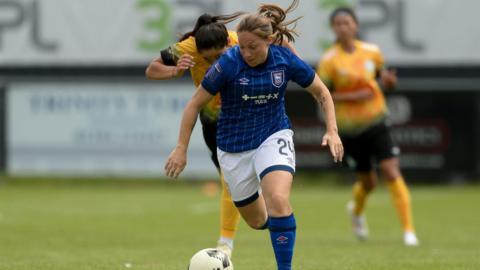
(347, 72)
(197, 72)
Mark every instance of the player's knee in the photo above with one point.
(257, 223)
(390, 169)
(279, 205)
(368, 180)
(391, 174)
(369, 184)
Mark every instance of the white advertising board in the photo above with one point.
(99, 128)
(130, 32)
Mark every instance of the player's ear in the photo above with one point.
(270, 39)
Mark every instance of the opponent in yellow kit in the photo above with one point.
(196, 51)
(350, 69)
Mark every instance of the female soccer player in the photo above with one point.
(254, 136)
(196, 51)
(350, 68)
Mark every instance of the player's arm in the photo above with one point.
(357, 95)
(167, 66)
(388, 78)
(322, 95)
(325, 74)
(177, 160)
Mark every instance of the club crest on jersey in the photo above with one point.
(278, 77)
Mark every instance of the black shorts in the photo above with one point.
(373, 145)
(209, 129)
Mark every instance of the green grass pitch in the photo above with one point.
(158, 225)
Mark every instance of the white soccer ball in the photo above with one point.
(210, 259)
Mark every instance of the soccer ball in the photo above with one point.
(210, 259)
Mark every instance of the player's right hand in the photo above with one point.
(176, 162)
(333, 141)
(185, 62)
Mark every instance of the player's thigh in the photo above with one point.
(382, 144)
(275, 166)
(276, 153)
(240, 176)
(209, 130)
(254, 213)
(357, 153)
(276, 187)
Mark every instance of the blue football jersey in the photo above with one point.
(253, 99)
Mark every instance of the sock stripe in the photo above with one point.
(278, 229)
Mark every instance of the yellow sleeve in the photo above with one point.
(379, 60)
(324, 71)
(232, 35)
(186, 46)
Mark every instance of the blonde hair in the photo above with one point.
(269, 21)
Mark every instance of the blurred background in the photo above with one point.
(77, 114)
(74, 99)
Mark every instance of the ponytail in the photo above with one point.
(270, 21)
(210, 31)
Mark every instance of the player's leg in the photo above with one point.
(229, 216)
(365, 182)
(401, 198)
(276, 187)
(387, 153)
(359, 157)
(356, 208)
(229, 219)
(275, 166)
(244, 187)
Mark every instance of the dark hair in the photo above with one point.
(340, 10)
(210, 31)
(269, 20)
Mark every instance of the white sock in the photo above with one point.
(227, 241)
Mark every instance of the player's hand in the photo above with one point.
(335, 144)
(176, 162)
(184, 62)
(388, 78)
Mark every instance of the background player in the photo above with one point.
(350, 68)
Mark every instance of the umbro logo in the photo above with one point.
(281, 240)
(243, 81)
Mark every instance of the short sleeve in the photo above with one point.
(379, 60)
(170, 55)
(324, 71)
(300, 72)
(217, 75)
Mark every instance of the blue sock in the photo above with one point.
(282, 234)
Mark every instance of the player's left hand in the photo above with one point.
(176, 162)
(388, 78)
(335, 144)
